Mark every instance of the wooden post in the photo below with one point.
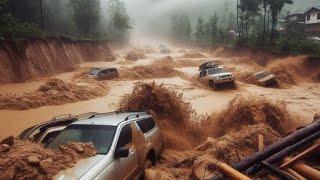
(261, 142)
(231, 173)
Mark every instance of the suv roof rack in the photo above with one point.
(69, 116)
(104, 114)
(208, 65)
(138, 114)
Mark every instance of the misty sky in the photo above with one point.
(155, 12)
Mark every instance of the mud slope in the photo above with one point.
(29, 59)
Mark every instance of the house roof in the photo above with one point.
(313, 8)
(299, 15)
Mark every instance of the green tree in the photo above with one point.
(119, 19)
(249, 9)
(200, 29)
(86, 15)
(181, 27)
(212, 27)
(276, 7)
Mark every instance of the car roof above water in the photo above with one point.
(110, 119)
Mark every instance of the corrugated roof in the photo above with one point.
(314, 7)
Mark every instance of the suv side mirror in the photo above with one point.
(122, 152)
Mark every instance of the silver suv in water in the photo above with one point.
(125, 144)
(215, 76)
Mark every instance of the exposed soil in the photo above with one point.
(26, 160)
(54, 92)
(33, 59)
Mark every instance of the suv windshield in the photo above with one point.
(100, 136)
(94, 71)
(216, 71)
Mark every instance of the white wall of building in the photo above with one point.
(313, 17)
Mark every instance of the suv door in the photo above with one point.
(103, 74)
(152, 133)
(127, 167)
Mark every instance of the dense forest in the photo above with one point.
(257, 24)
(245, 23)
(79, 19)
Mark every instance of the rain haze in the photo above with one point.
(159, 89)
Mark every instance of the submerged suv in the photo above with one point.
(265, 79)
(212, 74)
(103, 73)
(45, 132)
(125, 144)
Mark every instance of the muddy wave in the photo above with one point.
(183, 129)
(54, 92)
(148, 72)
(250, 110)
(135, 55)
(173, 114)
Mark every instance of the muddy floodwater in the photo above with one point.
(302, 98)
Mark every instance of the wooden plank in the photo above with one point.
(301, 155)
(295, 174)
(231, 173)
(306, 171)
(279, 145)
(289, 140)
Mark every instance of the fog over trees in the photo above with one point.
(117, 19)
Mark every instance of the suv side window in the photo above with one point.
(201, 73)
(125, 137)
(204, 73)
(146, 125)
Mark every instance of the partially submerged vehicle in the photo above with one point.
(265, 79)
(164, 49)
(215, 76)
(103, 73)
(45, 132)
(126, 144)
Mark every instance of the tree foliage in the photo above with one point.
(86, 15)
(181, 27)
(119, 19)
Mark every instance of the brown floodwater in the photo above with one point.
(302, 99)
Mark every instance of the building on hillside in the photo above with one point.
(295, 18)
(312, 21)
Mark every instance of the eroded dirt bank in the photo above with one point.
(29, 59)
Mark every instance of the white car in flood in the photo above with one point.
(118, 156)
